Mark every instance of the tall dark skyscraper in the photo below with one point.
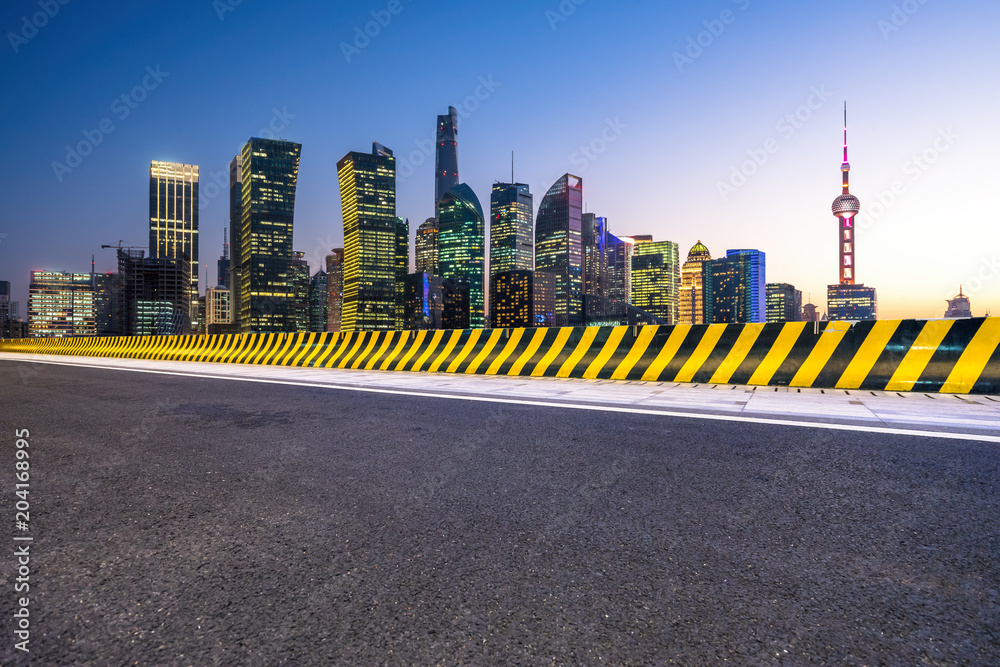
(173, 220)
(461, 246)
(784, 303)
(368, 199)
(512, 242)
(317, 302)
(402, 262)
(595, 255)
(223, 263)
(270, 172)
(848, 300)
(559, 247)
(446, 157)
(301, 287)
(334, 289)
(236, 248)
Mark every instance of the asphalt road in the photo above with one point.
(187, 521)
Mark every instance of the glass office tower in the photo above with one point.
(270, 172)
(173, 220)
(692, 300)
(426, 247)
(735, 288)
(368, 199)
(461, 246)
(656, 279)
(512, 243)
(446, 154)
(784, 303)
(559, 247)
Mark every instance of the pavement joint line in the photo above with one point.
(949, 435)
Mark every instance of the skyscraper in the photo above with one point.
(512, 299)
(153, 297)
(619, 253)
(692, 302)
(426, 247)
(218, 308)
(424, 302)
(269, 175)
(735, 288)
(223, 263)
(301, 290)
(60, 304)
(784, 303)
(368, 199)
(173, 220)
(461, 246)
(848, 300)
(512, 243)
(446, 157)
(559, 247)
(595, 255)
(334, 289)
(236, 249)
(402, 262)
(317, 302)
(656, 279)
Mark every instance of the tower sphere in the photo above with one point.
(846, 206)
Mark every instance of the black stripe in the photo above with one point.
(652, 351)
(684, 353)
(842, 356)
(521, 348)
(575, 336)
(760, 348)
(892, 355)
(719, 353)
(803, 347)
(625, 346)
(947, 355)
(989, 379)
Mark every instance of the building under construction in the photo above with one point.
(153, 295)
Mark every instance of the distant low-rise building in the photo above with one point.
(784, 303)
(960, 306)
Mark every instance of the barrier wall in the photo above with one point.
(947, 356)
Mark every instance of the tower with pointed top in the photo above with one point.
(848, 300)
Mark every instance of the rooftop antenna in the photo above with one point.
(512, 166)
(225, 243)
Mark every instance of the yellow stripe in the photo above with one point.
(512, 343)
(374, 359)
(820, 355)
(368, 348)
(779, 351)
(467, 349)
(343, 343)
(701, 353)
(269, 340)
(438, 335)
(281, 346)
(589, 334)
(635, 354)
(536, 342)
(234, 350)
(610, 347)
(738, 354)
(363, 338)
(491, 343)
(866, 356)
(404, 339)
(452, 342)
(667, 354)
(304, 348)
(293, 342)
(317, 350)
(919, 355)
(421, 335)
(553, 353)
(965, 374)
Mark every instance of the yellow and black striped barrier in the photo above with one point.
(947, 356)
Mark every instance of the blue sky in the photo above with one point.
(719, 122)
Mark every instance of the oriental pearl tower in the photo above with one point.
(846, 207)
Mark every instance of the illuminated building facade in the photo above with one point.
(60, 305)
(559, 247)
(173, 220)
(692, 295)
(368, 199)
(848, 300)
(656, 279)
(235, 227)
(619, 251)
(446, 155)
(595, 255)
(334, 289)
(218, 307)
(317, 302)
(544, 297)
(424, 302)
(512, 299)
(402, 260)
(223, 262)
(299, 271)
(270, 172)
(426, 247)
(512, 243)
(456, 297)
(461, 246)
(784, 303)
(735, 288)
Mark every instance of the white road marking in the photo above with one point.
(950, 435)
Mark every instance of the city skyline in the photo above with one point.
(948, 136)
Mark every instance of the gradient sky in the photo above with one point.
(561, 75)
